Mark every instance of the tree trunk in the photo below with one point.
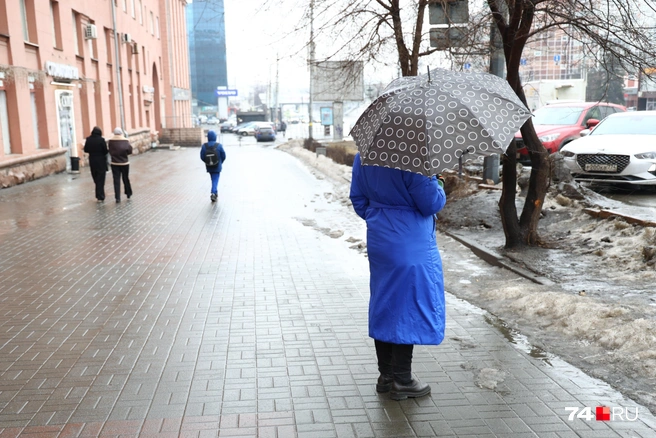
(507, 206)
(537, 187)
(524, 231)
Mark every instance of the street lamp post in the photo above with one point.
(311, 62)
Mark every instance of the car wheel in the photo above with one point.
(243, 134)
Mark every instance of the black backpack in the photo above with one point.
(211, 155)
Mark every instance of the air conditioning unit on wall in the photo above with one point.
(126, 38)
(90, 32)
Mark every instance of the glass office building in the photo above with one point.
(207, 50)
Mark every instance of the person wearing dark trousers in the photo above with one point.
(213, 155)
(406, 303)
(96, 147)
(119, 149)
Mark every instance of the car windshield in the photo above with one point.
(564, 115)
(635, 124)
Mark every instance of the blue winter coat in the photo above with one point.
(211, 140)
(406, 304)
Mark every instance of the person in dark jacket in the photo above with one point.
(406, 303)
(214, 171)
(96, 147)
(119, 149)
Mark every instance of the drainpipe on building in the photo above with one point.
(118, 68)
(171, 69)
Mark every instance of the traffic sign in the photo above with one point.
(556, 58)
(467, 66)
(225, 93)
(522, 61)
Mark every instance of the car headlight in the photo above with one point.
(567, 154)
(646, 156)
(549, 138)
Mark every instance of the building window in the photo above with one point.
(93, 43)
(35, 119)
(26, 32)
(4, 24)
(56, 25)
(140, 13)
(152, 23)
(125, 5)
(132, 8)
(157, 27)
(109, 35)
(28, 17)
(4, 123)
(76, 33)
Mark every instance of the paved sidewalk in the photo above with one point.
(168, 316)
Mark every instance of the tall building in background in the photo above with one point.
(207, 50)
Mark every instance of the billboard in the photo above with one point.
(337, 81)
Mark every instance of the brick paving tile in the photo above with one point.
(169, 316)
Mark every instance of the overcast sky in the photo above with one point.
(258, 44)
(262, 48)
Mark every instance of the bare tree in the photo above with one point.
(622, 30)
(612, 29)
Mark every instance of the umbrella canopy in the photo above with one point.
(424, 123)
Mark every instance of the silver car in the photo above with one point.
(620, 149)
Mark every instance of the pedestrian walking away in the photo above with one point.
(119, 149)
(406, 304)
(96, 147)
(213, 155)
(283, 127)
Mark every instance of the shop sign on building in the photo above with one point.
(181, 94)
(62, 71)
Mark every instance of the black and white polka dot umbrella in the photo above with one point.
(424, 123)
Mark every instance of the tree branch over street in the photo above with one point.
(616, 35)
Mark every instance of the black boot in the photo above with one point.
(414, 389)
(384, 354)
(384, 383)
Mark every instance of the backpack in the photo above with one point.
(211, 155)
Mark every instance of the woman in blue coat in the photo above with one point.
(406, 305)
(215, 170)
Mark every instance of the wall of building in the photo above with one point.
(65, 68)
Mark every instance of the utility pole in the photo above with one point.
(311, 62)
(497, 57)
(117, 63)
(275, 103)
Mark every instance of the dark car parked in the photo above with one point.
(265, 133)
(227, 126)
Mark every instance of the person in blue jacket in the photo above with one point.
(214, 171)
(406, 305)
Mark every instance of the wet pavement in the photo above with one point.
(167, 315)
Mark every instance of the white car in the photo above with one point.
(620, 149)
(249, 129)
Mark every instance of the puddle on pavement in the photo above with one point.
(513, 336)
(518, 340)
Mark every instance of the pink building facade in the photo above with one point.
(69, 65)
